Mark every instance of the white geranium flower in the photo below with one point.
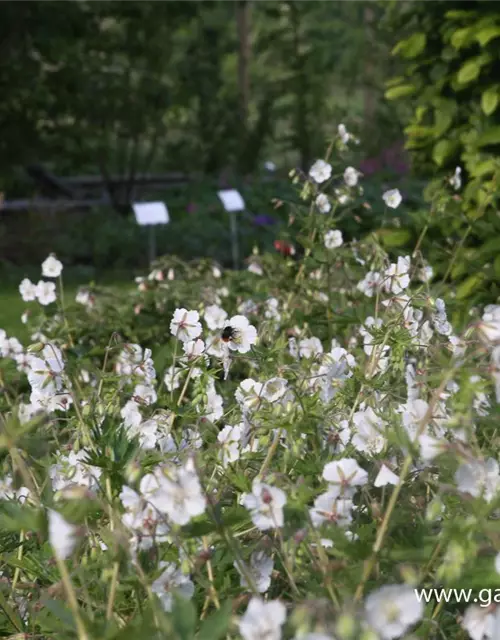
(392, 610)
(320, 171)
(262, 620)
(385, 476)
(230, 439)
(351, 176)
(215, 317)
(239, 334)
(392, 198)
(265, 504)
(370, 283)
(185, 325)
(172, 378)
(396, 276)
(323, 203)
(255, 268)
(274, 389)
(51, 267)
(214, 407)
(172, 580)
(27, 290)
(489, 327)
(84, 297)
(261, 568)
(62, 535)
(45, 292)
(333, 239)
(146, 393)
(479, 623)
(479, 478)
(344, 476)
(249, 394)
(328, 507)
(456, 179)
(344, 135)
(426, 274)
(310, 347)
(46, 370)
(369, 432)
(175, 491)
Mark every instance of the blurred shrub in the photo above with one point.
(452, 58)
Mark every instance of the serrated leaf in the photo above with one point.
(216, 626)
(489, 100)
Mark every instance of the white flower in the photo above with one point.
(333, 239)
(46, 292)
(328, 507)
(261, 568)
(265, 504)
(269, 166)
(456, 179)
(369, 433)
(215, 317)
(214, 407)
(194, 349)
(176, 491)
(310, 347)
(344, 476)
(479, 478)
(344, 135)
(320, 171)
(274, 389)
(84, 297)
(489, 327)
(370, 283)
(392, 610)
(239, 334)
(385, 476)
(392, 198)
(249, 394)
(396, 276)
(216, 272)
(62, 535)
(51, 267)
(426, 273)
(172, 580)
(255, 268)
(230, 438)
(262, 620)
(351, 176)
(323, 203)
(479, 623)
(185, 325)
(27, 290)
(46, 369)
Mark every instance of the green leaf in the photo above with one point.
(483, 168)
(12, 616)
(215, 627)
(490, 136)
(487, 34)
(400, 91)
(184, 617)
(394, 237)
(489, 100)
(462, 37)
(469, 71)
(442, 151)
(411, 47)
(60, 612)
(469, 286)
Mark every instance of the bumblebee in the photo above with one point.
(228, 333)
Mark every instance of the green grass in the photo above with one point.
(11, 309)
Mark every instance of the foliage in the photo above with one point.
(126, 88)
(451, 56)
(313, 429)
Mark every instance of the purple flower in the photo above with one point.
(263, 220)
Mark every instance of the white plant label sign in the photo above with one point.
(231, 200)
(148, 213)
